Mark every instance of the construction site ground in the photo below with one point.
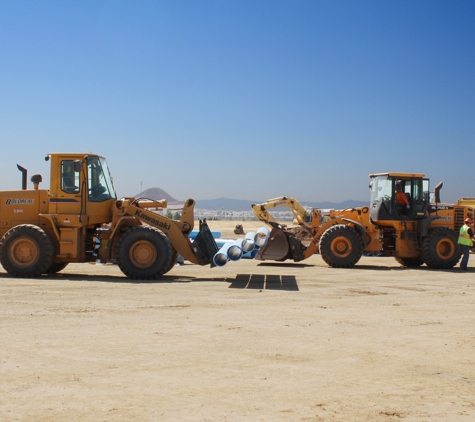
(250, 341)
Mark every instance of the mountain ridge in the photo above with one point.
(245, 205)
(229, 204)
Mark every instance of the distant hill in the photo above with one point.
(228, 204)
(157, 194)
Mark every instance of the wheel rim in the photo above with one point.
(445, 249)
(143, 254)
(24, 252)
(341, 246)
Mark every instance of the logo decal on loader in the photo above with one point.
(19, 201)
(152, 220)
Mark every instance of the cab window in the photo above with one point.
(69, 177)
(99, 180)
(420, 191)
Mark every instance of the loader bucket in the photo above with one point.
(276, 249)
(204, 246)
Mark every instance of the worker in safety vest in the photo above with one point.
(465, 241)
(401, 198)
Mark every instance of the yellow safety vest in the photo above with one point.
(464, 237)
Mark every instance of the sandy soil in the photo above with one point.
(250, 341)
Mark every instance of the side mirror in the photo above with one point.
(77, 166)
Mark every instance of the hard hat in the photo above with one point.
(468, 220)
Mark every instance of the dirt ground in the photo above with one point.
(251, 341)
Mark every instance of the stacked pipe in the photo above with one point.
(234, 250)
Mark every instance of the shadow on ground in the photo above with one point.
(241, 281)
(264, 282)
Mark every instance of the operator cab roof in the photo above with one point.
(396, 174)
(71, 155)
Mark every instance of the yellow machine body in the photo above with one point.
(426, 232)
(80, 219)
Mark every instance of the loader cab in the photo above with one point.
(81, 184)
(383, 190)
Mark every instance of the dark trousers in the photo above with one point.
(466, 253)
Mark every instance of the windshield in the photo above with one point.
(381, 188)
(99, 180)
(382, 191)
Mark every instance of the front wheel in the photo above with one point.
(440, 249)
(56, 267)
(173, 261)
(144, 253)
(409, 262)
(341, 246)
(27, 251)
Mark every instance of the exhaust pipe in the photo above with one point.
(437, 192)
(24, 173)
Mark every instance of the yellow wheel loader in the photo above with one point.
(421, 232)
(80, 219)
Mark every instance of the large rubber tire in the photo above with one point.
(440, 249)
(27, 251)
(144, 253)
(173, 260)
(56, 267)
(341, 246)
(409, 262)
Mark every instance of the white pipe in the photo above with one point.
(247, 245)
(250, 236)
(261, 237)
(230, 251)
(220, 259)
(233, 251)
(221, 242)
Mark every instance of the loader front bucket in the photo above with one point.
(282, 245)
(276, 249)
(204, 246)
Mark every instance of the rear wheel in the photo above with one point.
(440, 249)
(341, 246)
(27, 251)
(409, 262)
(144, 253)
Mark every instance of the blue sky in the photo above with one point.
(242, 99)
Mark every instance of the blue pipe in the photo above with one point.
(194, 233)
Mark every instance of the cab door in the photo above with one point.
(68, 190)
(66, 202)
(420, 197)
